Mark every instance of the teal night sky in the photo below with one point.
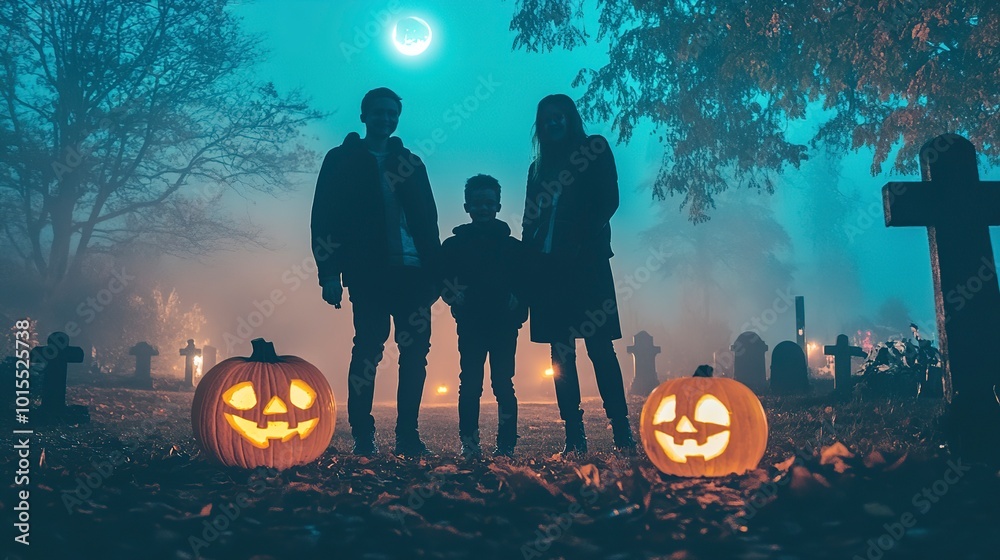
(468, 106)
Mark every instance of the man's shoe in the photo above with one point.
(576, 439)
(411, 447)
(624, 442)
(365, 446)
(472, 450)
(505, 446)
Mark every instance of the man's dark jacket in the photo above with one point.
(348, 214)
(489, 264)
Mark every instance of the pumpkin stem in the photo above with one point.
(263, 351)
(703, 370)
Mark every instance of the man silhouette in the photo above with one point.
(374, 224)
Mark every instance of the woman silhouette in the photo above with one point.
(572, 192)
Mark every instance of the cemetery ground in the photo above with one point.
(132, 484)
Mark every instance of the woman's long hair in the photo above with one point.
(548, 153)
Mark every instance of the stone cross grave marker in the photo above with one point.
(957, 209)
(143, 353)
(842, 353)
(189, 352)
(644, 358)
(52, 361)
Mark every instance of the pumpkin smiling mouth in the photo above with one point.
(714, 446)
(260, 437)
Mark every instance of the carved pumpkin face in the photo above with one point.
(703, 426)
(264, 410)
(243, 396)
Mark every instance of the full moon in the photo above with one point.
(411, 35)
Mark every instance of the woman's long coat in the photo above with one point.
(573, 290)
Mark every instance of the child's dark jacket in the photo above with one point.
(484, 261)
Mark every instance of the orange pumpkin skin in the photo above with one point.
(684, 433)
(264, 410)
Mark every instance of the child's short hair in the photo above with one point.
(481, 181)
(382, 92)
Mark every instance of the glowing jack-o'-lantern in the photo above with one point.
(703, 426)
(265, 410)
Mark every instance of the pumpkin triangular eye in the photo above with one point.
(240, 396)
(301, 394)
(667, 411)
(710, 410)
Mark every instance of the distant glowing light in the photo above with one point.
(197, 366)
(811, 347)
(411, 35)
(442, 390)
(549, 372)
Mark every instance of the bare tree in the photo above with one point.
(122, 122)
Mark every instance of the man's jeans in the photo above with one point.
(405, 294)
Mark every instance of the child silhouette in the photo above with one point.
(483, 264)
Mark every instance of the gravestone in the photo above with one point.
(209, 357)
(842, 353)
(789, 373)
(644, 359)
(189, 352)
(143, 353)
(957, 210)
(51, 361)
(749, 368)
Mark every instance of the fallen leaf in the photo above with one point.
(590, 475)
(831, 453)
(786, 464)
(874, 459)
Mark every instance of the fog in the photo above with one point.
(693, 287)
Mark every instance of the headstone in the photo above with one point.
(957, 209)
(189, 352)
(800, 322)
(644, 358)
(842, 353)
(209, 357)
(143, 353)
(51, 361)
(749, 368)
(789, 374)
